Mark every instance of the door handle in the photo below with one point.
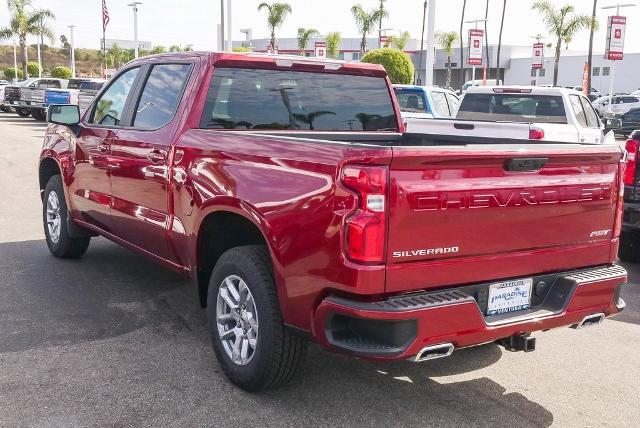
(157, 156)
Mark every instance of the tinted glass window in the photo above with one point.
(513, 108)
(454, 104)
(411, 100)
(75, 83)
(440, 103)
(592, 117)
(269, 99)
(161, 95)
(633, 114)
(91, 86)
(109, 108)
(578, 110)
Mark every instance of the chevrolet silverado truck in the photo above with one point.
(288, 190)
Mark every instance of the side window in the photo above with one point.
(411, 100)
(592, 117)
(440, 103)
(161, 95)
(454, 104)
(109, 107)
(578, 110)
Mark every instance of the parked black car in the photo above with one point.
(630, 122)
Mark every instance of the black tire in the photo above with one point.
(279, 353)
(65, 247)
(629, 250)
(38, 115)
(23, 112)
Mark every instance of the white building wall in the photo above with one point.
(627, 78)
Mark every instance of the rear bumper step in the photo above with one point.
(409, 326)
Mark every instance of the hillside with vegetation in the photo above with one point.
(88, 61)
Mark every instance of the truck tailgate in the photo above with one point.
(480, 212)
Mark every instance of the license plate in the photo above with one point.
(509, 296)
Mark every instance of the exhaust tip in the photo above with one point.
(591, 320)
(433, 352)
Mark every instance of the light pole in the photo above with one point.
(431, 44)
(473, 66)
(424, 18)
(73, 55)
(15, 62)
(229, 28)
(221, 35)
(617, 7)
(134, 5)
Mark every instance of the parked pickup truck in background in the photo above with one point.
(32, 95)
(287, 189)
(524, 113)
(426, 101)
(79, 91)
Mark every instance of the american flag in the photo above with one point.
(105, 15)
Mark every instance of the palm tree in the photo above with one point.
(277, 12)
(446, 40)
(365, 22)
(24, 22)
(590, 56)
(382, 11)
(504, 7)
(563, 24)
(399, 42)
(464, 7)
(333, 44)
(311, 117)
(304, 34)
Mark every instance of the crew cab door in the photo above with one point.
(140, 156)
(587, 122)
(90, 189)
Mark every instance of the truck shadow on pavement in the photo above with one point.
(115, 309)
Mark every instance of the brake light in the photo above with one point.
(536, 134)
(632, 153)
(366, 227)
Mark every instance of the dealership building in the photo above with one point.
(515, 63)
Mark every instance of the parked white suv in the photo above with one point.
(620, 104)
(523, 113)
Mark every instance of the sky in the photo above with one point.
(194, 22)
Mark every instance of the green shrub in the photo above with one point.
(33, 68)
(397, 63)
(10, 73)
(61, 72)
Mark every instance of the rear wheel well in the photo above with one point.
(219, 232)
(48, 168)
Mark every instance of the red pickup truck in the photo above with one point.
(287, 189)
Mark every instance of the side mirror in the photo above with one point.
(63, 114)
(612, 123)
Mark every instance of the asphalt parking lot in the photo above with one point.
(112, 339)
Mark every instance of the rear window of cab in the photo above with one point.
(257, 99)
(513, 108)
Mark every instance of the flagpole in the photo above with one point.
(104, 37)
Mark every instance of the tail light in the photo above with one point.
(536, 134)
(632, 153)
(366, 227)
